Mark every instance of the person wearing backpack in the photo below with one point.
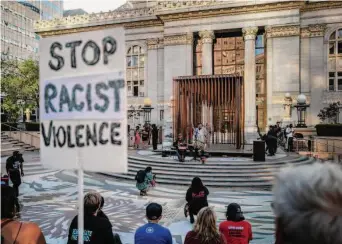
(144, 178)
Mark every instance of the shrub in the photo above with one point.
(331, 112)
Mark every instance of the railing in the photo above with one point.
(22, 136)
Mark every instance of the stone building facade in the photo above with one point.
(18, 40)
(278, 46)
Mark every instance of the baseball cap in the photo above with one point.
(154, 211)
(234, 212)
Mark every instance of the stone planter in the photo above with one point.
(329, 130)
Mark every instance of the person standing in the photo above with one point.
(154, 137)
(137, 138)
(205, 230)
(145, 136)
(196, 197)
(152, 232)
(96, 229)
(14, 168)
(289, 138)
(236, 229)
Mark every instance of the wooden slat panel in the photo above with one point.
(223, 94)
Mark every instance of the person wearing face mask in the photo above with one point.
(96, 229)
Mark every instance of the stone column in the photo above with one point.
(152, 62)
(178, 61)
(207, 51)
(249, 34)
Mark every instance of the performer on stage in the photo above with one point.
(181, 146)
(199, 142)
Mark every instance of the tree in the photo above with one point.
(20, 86)
(330, 113)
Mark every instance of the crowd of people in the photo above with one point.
(143, 136)
(307, 203)
(278, 136)
(196, 141)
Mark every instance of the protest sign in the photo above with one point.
(83, 101)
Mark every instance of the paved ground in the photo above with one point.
(50, 199)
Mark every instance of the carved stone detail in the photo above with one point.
(316, 30)
(179, 39)
(207, 36)
(155, 43)
(249, 33)
(305, 32)
(169, 11)
(282, 31)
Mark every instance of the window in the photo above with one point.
(260, 61)
(335, 61)
(135, 60)
(161, 115)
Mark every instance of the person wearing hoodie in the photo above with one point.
(196, 197)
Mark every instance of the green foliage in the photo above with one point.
(20, 85)
(329, 113)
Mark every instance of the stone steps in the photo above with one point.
(9, 145)
(216, 165)
(218, 174)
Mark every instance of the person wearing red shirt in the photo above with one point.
(235, 229)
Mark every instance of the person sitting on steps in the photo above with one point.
(180, 145)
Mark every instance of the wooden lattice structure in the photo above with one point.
(216, 100)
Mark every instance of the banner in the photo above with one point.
(83, 101)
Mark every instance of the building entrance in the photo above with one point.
(216, 101)
(228, 59)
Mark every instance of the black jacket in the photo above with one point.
(197, 199)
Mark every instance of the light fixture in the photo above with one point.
(301, 110)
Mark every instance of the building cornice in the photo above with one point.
(134, 18)
(131, 25)
(320, 5)
(183, 39)
(181, 10)
(155, 43)
(282, 31)
(316, 30)
(223, 10)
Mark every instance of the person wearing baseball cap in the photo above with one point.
(152, 232)
(236, 229)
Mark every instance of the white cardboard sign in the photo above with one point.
(83, 101)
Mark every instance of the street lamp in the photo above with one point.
(301, 110)
(147, 110)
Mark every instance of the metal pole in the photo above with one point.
(80, 206)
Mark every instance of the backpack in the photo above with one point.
(140, 177)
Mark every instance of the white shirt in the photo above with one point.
(289, 132)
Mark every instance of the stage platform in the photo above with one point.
(217, 150)
(229, 150)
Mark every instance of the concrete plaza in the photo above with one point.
(50, 200)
